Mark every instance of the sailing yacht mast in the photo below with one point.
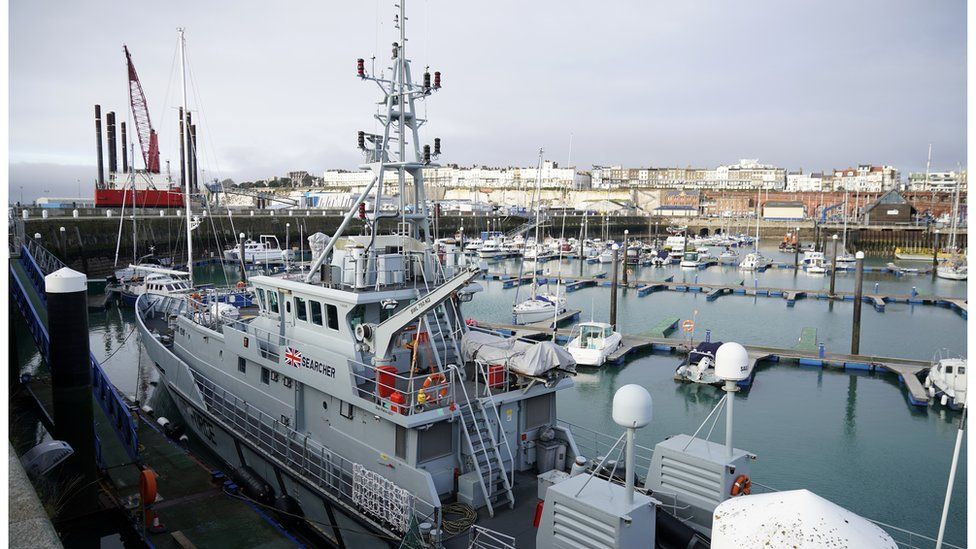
(758, 211)
(538, 210)
(845, 223)
(186, 161)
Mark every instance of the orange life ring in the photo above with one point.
(741, 486)
(241, 285)
(195, 300)
(436, 379)
(147, 486)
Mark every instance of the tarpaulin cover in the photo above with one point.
(531, 359)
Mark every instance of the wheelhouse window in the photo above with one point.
(265, 376)
(316, 308)
(333, 316)
(948, 369)
(273, 301)
(261, 298)
(300, 310)
(241, 365)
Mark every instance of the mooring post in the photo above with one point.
(935, 254)
(833, 267)
(796, 251)
(69, 360)
(858, 286)
(243, 269)
(613, 289)
(626, 245)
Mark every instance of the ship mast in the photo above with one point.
(400, 123)
(186, 161)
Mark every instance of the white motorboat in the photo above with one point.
(728, 257)
(606, 256)
(699, 365)
(539, 308)
(809, 256)
(146, 279)
(753, 261)
(954, 268)
(690, 260)
(817, 266)
(264, 250)
(947, 381)
(593, 342)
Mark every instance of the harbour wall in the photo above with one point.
(89, 243)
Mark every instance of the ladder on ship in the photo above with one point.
(485, 448)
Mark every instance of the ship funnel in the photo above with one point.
(98, 139)
(112, 147)
(125, 153)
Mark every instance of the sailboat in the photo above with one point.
(954, 268)
(845, 259)
(754, 260)
(540, 306)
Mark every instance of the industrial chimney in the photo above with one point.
(98, 138)
(125, 152)
(112, 148)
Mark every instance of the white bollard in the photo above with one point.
(25, 214)
(252, 213)
(43, 214)
(74, 213)
(162, 213)
(108, 213)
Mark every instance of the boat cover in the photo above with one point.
(522, 357)
(317, 242)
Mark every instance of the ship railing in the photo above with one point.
(420, 392)
(308, 458)
(480, 537)
(598, 444)
(351, 275)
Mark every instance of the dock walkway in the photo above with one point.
(907, 370)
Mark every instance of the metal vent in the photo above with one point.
(685, 478)
(574, 529)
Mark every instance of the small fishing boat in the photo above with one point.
(947, 381)
(817, 266)
(753, 261)
(699, 366)
(147, 279)
(690, 260)
(728, 257)
(593, 342)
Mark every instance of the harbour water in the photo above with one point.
(851, 437)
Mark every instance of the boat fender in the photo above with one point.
(741, 486)
(146, 409)
(547, 434)
(289, 510)
(253, 485)
(172, 430)
(162, 422)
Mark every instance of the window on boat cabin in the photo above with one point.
(300, 310)
(948, 369)
(333, 316)
(537, 411)
(261, 301)
(355, 317)
(435, 442)
(288, 307)
(961, 370)
(316, 308)
(265, 376)
(273, 301)
(401, 442)
(608, 331)
(241, 365)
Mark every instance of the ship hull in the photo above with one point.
(236, 450)
(144, 198)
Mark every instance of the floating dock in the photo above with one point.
(907, 370)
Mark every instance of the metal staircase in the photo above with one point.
(486, 457)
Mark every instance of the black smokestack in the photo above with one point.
(182, 152)
(191, 164)
(193, 143)
(113, 165)
(98, 138)
(125, 150)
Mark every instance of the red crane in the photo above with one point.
(148, 141)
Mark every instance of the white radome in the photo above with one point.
(732, 362)
(632, 406)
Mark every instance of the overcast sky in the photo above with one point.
(801, 84)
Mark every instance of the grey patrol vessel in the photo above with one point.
(355, 398)
(355, 395)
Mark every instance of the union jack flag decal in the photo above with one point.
(293, 357)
